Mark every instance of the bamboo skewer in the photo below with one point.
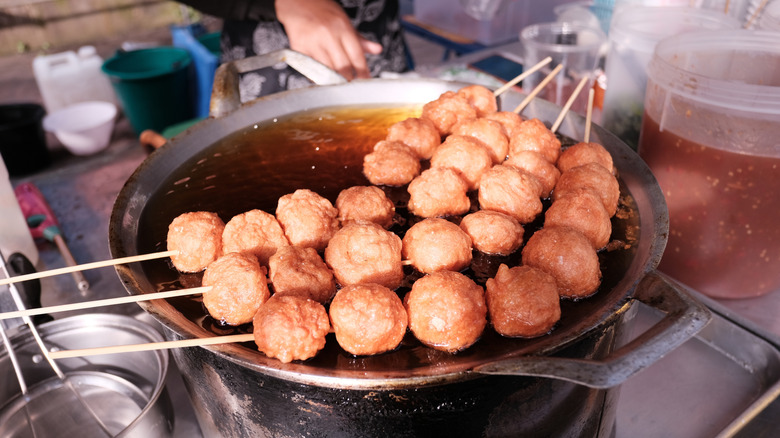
(588, 116)
(756, 14)
(104, 302)
(86, 266)
(538, 89)
(522, 76)
(199, 342)
(568, 104)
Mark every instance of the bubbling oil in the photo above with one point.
(322, 150)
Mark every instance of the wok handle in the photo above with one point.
(225, 95)
(685, 317)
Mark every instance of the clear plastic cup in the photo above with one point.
(711, 135)
(633, 34)
(576, 46)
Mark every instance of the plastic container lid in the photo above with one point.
(729, 69)
(642, 27)
(718, 88)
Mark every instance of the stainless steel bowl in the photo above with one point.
(120, 395)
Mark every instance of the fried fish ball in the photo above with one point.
(447, 311)
(583, 211)
(490, 133)
(512, 122)
(534, 136)
(365, 203)
(438, 191)
(364, 252)
(466, 155)
(368, 319)
(568, 256)
(307, 218)
(534, 163)
(295, 270)
(493, 232)
(197, 236)
(583, 153)
(391, 163)
(511, 191)
(447, 111)
(592, 176)
(256, 232)
(522, 301)
(289, 327)
(238, 288)
(436, 244)
(418, 133)
(482, 99)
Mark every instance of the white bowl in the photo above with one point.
(83, 128)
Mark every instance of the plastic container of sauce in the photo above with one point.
(711, 136)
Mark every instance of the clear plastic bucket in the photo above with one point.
(633, 34)
(711, 135)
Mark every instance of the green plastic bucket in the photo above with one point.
(211, 41)
(153, 86)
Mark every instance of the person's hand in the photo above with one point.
(322, 30)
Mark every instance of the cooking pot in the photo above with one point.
(121, 395)
(561, 384)
(103, 395)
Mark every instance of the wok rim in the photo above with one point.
(633, 172)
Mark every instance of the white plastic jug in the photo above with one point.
(69, 77)
(14, 234)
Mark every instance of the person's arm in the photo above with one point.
(240, 10)
(322, 30)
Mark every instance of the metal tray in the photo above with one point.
(724, 382)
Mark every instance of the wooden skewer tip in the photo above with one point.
(198, 342)
(104, 302)
(569, 103)
(538, 89)
(87, 266)
(522, 76)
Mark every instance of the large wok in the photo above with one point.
(558, 384)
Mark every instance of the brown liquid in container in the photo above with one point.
(724, 238)
(323, 150)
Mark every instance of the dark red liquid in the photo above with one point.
(724, 237)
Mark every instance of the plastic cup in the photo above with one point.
(710, 135)
(633, 34)
(575, 46)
